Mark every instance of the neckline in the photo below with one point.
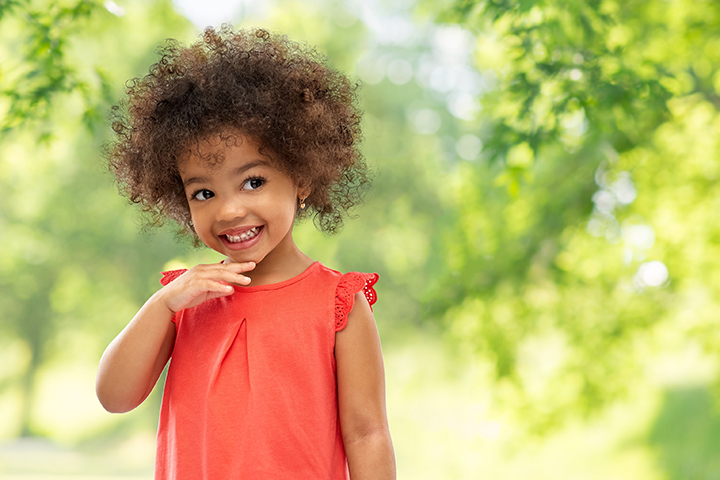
(284, 283)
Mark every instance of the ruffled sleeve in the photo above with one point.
(171, 275)
(350, 284)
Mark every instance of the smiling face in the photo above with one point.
(242, 207)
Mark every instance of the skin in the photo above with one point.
(361, 396)
(243, 192)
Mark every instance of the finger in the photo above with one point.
(224, 274)
(229, 277)
(215, 286)
(232, 273)
(232, 266)
(194, 292)
(239, 280)
(239, 267)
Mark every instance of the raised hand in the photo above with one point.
(132, 363)
(202, 283)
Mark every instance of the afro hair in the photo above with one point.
(303, 114)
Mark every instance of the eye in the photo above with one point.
(253, 183)
(203, 194)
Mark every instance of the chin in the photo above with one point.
(243, 258)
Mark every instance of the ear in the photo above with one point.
(304, 190)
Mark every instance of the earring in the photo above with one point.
(302, 203)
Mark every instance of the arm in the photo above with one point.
(133, 362)
(361, 396)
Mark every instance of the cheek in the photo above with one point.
(285, 214)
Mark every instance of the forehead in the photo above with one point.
(211, 152)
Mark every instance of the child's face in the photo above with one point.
(243, 207)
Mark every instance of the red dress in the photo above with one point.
(251, 391)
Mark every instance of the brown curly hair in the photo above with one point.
(303, 114)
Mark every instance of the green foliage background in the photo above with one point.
(543, 221)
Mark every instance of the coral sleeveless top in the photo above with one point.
(251, 391)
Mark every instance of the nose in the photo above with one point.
(230, 208)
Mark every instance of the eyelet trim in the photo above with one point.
(350, 284)
(171, 275)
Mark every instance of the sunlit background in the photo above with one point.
(545, 220)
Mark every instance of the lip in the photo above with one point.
(237, 232)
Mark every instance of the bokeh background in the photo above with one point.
(545, 220)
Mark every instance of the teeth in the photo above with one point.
(243, 236)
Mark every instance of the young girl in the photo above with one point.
(276, 369)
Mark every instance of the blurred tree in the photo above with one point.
(390, 233)
(599, 124)
(35, 69)
(71, 272)
(551, 208)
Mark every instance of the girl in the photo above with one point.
(276, 367)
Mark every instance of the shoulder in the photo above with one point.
(351, 287)
(347, 288)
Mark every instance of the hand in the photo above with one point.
(202, 283)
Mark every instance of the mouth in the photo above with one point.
(244, 236)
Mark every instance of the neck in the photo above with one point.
(283, 263)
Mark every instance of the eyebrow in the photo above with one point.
(237, 172)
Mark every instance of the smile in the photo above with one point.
(243, 237)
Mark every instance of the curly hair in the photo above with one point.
(302, 113)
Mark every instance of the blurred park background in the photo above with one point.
(545, 220)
